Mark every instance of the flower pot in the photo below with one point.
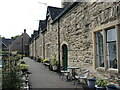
(112, 87)
(24, 70)
(54, 68)
(91, 83)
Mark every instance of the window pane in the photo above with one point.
(100, 61)
(99, 36)
(111, 48)
(99, 44)
(111, 35)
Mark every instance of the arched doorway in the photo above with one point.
(64, 56)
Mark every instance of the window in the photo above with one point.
(111, 48)
(99, 46)
(48, 51)
(110, 52)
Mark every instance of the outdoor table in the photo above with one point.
(73, 70)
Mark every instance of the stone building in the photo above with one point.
(20, 44)
(51, 34)
(86, 35)
(6, 43)
(36, 44)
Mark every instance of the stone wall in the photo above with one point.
(51, 40)
(41, 46)
(30, 49)
(20, 44)
(76, 28)
(37, 41)
(34, 46)
(76, 31)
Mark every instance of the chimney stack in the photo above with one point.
(24, 30)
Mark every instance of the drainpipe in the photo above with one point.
(22, 46)
(43, 45)
(59, 65)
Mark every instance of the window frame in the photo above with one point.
(98, 55)
(107, 42)
(115, 24)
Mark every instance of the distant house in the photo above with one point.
(6, 43)
(20, 44)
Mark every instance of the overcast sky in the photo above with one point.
(17, 15)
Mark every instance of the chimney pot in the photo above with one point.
(24, 30)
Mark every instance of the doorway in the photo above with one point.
(64, 56)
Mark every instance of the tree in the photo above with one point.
(3, 37)
(14, 37)
(10, 78)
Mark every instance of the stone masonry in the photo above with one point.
(75, 29)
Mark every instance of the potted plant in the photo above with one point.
(45, 60)
(101, 84)
(54, 64)
(22, 62)
(24, 67)
(39, 59)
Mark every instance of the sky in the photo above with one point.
(17, 15)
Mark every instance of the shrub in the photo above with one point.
(11, 80)
(39, 59)
(22, 62)
(45, 60)
(23, 66)
(101, 82)
(54, 62)
(17, 57)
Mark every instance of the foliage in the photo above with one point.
(11, 80)
(14, 37)
(2, 37)
(4, 52)
(39, 59)
(45, 60)
(14, 52)
(24, 66)
(17, 57)
(54, 62)
(101, 82)
(10, 77)
(22, 62)
(20, 55)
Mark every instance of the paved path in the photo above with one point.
(42, 77)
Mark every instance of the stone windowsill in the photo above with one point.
(110, 70)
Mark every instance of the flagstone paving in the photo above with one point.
(42, 77)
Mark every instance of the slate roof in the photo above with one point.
(35, 33)
(54, 11)
(42, 25)
(32, 38)
(65, 10)
(7, 42)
